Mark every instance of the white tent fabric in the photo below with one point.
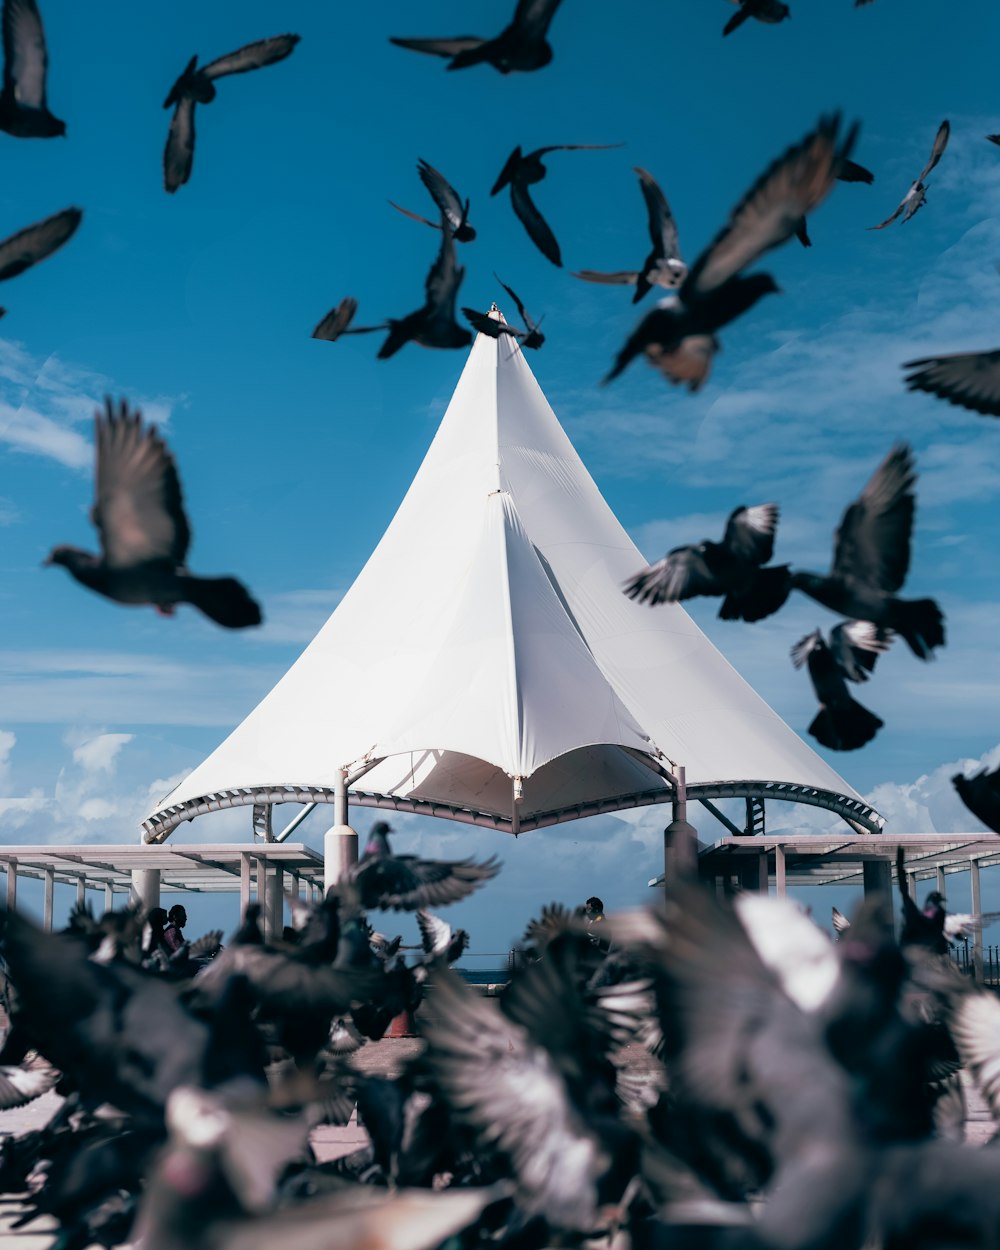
(485, 664)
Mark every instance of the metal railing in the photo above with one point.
(962, 954)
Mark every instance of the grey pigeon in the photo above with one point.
(197, 86)
(915, 198)
(448, 201)
(139, 515)
(841, 724)
(679, 336)
(519, 173)
(771, 12)
(407, 883)
(486, 323)
(24, 112)
(522, 45)
(733, 569)
(434, 324)
(663, 266)
(34, 243)
(969, 379)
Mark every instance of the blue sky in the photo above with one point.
(294, 453)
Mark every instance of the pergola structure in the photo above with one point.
(827, 859)
(486, 667)
(266, 870)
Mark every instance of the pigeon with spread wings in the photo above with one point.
(486, 323)
(770, 12)
(915, 198)
(433, 324)
(144, 532)
(24, 111)
(197, 86)
(841, 724)
(449, 204)
(968, 379)
(522, 45)
(34, 243)
(663, 266)
(521, 172)
(732, 568)
(679, 335)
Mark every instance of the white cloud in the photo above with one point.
(98, 754)
(8, 739)
(9, 512)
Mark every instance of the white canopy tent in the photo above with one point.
(486, 667)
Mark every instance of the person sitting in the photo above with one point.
(173, 934)
(593, 914)
(156, 922)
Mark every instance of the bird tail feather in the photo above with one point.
(921, 623)
(846, 727)
(224, 600)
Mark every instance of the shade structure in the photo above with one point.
(485, 665)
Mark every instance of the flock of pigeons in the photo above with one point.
(719, 1073)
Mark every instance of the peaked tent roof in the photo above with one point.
(485, 665)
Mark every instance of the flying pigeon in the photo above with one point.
(871, 558)
(406, 883)
(434, 324)
(981, 795)
(520, 46)
(24, 112)
(521, 172)
(732, 568)
(531, 336)
(34, 243)
(144, 533)
(841, 724)
(968, 379)
(917, 194)
(768, 11)
(848, 171)
(678, 336)
(339, 320)
(448, 201)
(663, 266)
(197, 86)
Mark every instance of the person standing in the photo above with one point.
(173, 934)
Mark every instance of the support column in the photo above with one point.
(340, 844)
(48, 897)
(109, 896)
(246, 881)
(762, 882)
(877, 875)
(779, 871)
(12, 885)
(81, 890)
(273, 897)
(680, 839)
(977, 910)
(145, 888)
(941, 882)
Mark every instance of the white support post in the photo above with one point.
(48, 897)
(779, 871)
(680, 839)
(340, 845)
(977, 910)
(940, 881)
(274, 898)
(145, 888)
(12, 885)
(109, 896)
(246, 881)
(81, 890)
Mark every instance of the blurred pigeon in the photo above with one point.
(144, 533)
(520, 46)
(917, 194)
(34, 243)
(994, 139)
(23, 108)
(732, 568)
(338, 321)
(678, 336)
(434, 324)
(839, 921)
(21, 1085)
(520, 172)
(663, 266)
(406, 883)
(197, 86)
(848, 171)
(981, 795)
(531, 336)
(438, 939)
(841, 724)
(921, 927)
(871, 558)
(768, 11)
(969, 379)
(448, 201)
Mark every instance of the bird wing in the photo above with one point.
(23, 1085)
(750, 532)
(622, 277)
(681, 574)
(940, 143)
(416, 216)
(405, 883)
(529, 325)
(872, 544)
(968, 379)
(851, 171)
(537, 227)
(573, 147)
(890, 219)
(533, 17)
(840, 922)
(974, 1021)
(507, 1089)
(34, 243)
(178, 155)
(435, 933)
(662, 226)
(769, 213)
(441, 47)
(804, 647)
(443, 194)
(24, 53)
(486, 325)
(856, 645)
(981, 795)
(337, 320)
(445, 276)
(251, 56)
(138, 508)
